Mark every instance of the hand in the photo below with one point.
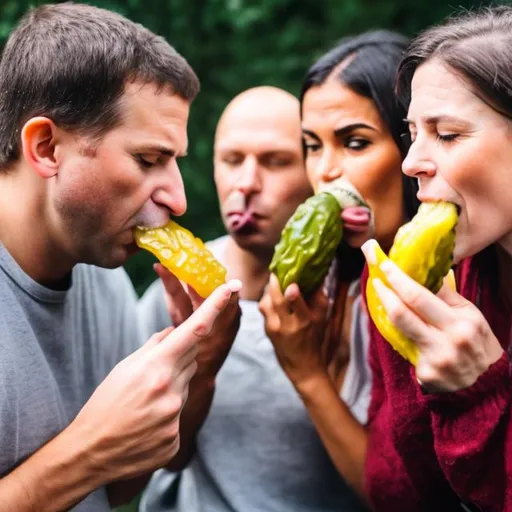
(297, 329)
(214, 348)
(131, 422)
(455, 341)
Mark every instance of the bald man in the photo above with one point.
(256, 450)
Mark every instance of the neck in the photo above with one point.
(24, 228)
(250, 268)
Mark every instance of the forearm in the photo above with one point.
(54, 478)
(472, 439)
(344, 438)
(194, 414)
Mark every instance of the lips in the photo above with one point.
(356, 219)
(238, 221)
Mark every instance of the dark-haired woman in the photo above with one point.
(353, 133)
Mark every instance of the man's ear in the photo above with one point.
(38, 139)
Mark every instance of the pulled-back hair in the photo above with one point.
(475, 45)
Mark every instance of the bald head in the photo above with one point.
(261, 107)
(259, 166)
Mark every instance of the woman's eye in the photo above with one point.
(447, 137)
(357, 144)
(311, 147)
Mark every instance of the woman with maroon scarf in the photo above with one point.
(440, 434)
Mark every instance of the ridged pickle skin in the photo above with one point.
(184, 255)
(423, 249)
(308, 243)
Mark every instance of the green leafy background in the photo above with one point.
(236, 44)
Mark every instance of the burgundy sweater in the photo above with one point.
(429, 452)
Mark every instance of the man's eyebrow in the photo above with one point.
(164, 150)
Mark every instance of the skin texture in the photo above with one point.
(86, 196)
(76, 201)
(345, 138)
(462, 156)
(460, 153)
(258, 169)
(259, 165)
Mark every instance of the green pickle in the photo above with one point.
(310, 238)
(308, 243)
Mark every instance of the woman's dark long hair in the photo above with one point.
(372, 63)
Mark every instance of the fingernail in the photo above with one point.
(291, 292)
(235, 285)
(368, 249)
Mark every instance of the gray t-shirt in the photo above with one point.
(258, 450)
(55, 348)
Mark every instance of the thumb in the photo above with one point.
(200, 323)
(448, 292)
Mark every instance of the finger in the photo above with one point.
(368, 249)
(450, 296)
(417, 298)
(266, 308)
(200, 323)
(195, 298)
(318, 304)
(296, 304)
(399, 314)
(181, 383)
(187, 358)
(178, 303)
(280, 304)
(155, 340)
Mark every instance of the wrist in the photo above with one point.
(57, 476)
(308, 385)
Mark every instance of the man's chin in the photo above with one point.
(255, 242)
(116, 256)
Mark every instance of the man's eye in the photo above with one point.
(232, 160)
(278, 162)
(145, 162)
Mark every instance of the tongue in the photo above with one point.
(356, 218)
(238, 221)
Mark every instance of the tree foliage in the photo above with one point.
(236, 44)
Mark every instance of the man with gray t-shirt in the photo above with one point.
(255, 448)
(93, 113)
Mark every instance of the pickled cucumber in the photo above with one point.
(423, 249)
(308, 243)
(184, 255)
